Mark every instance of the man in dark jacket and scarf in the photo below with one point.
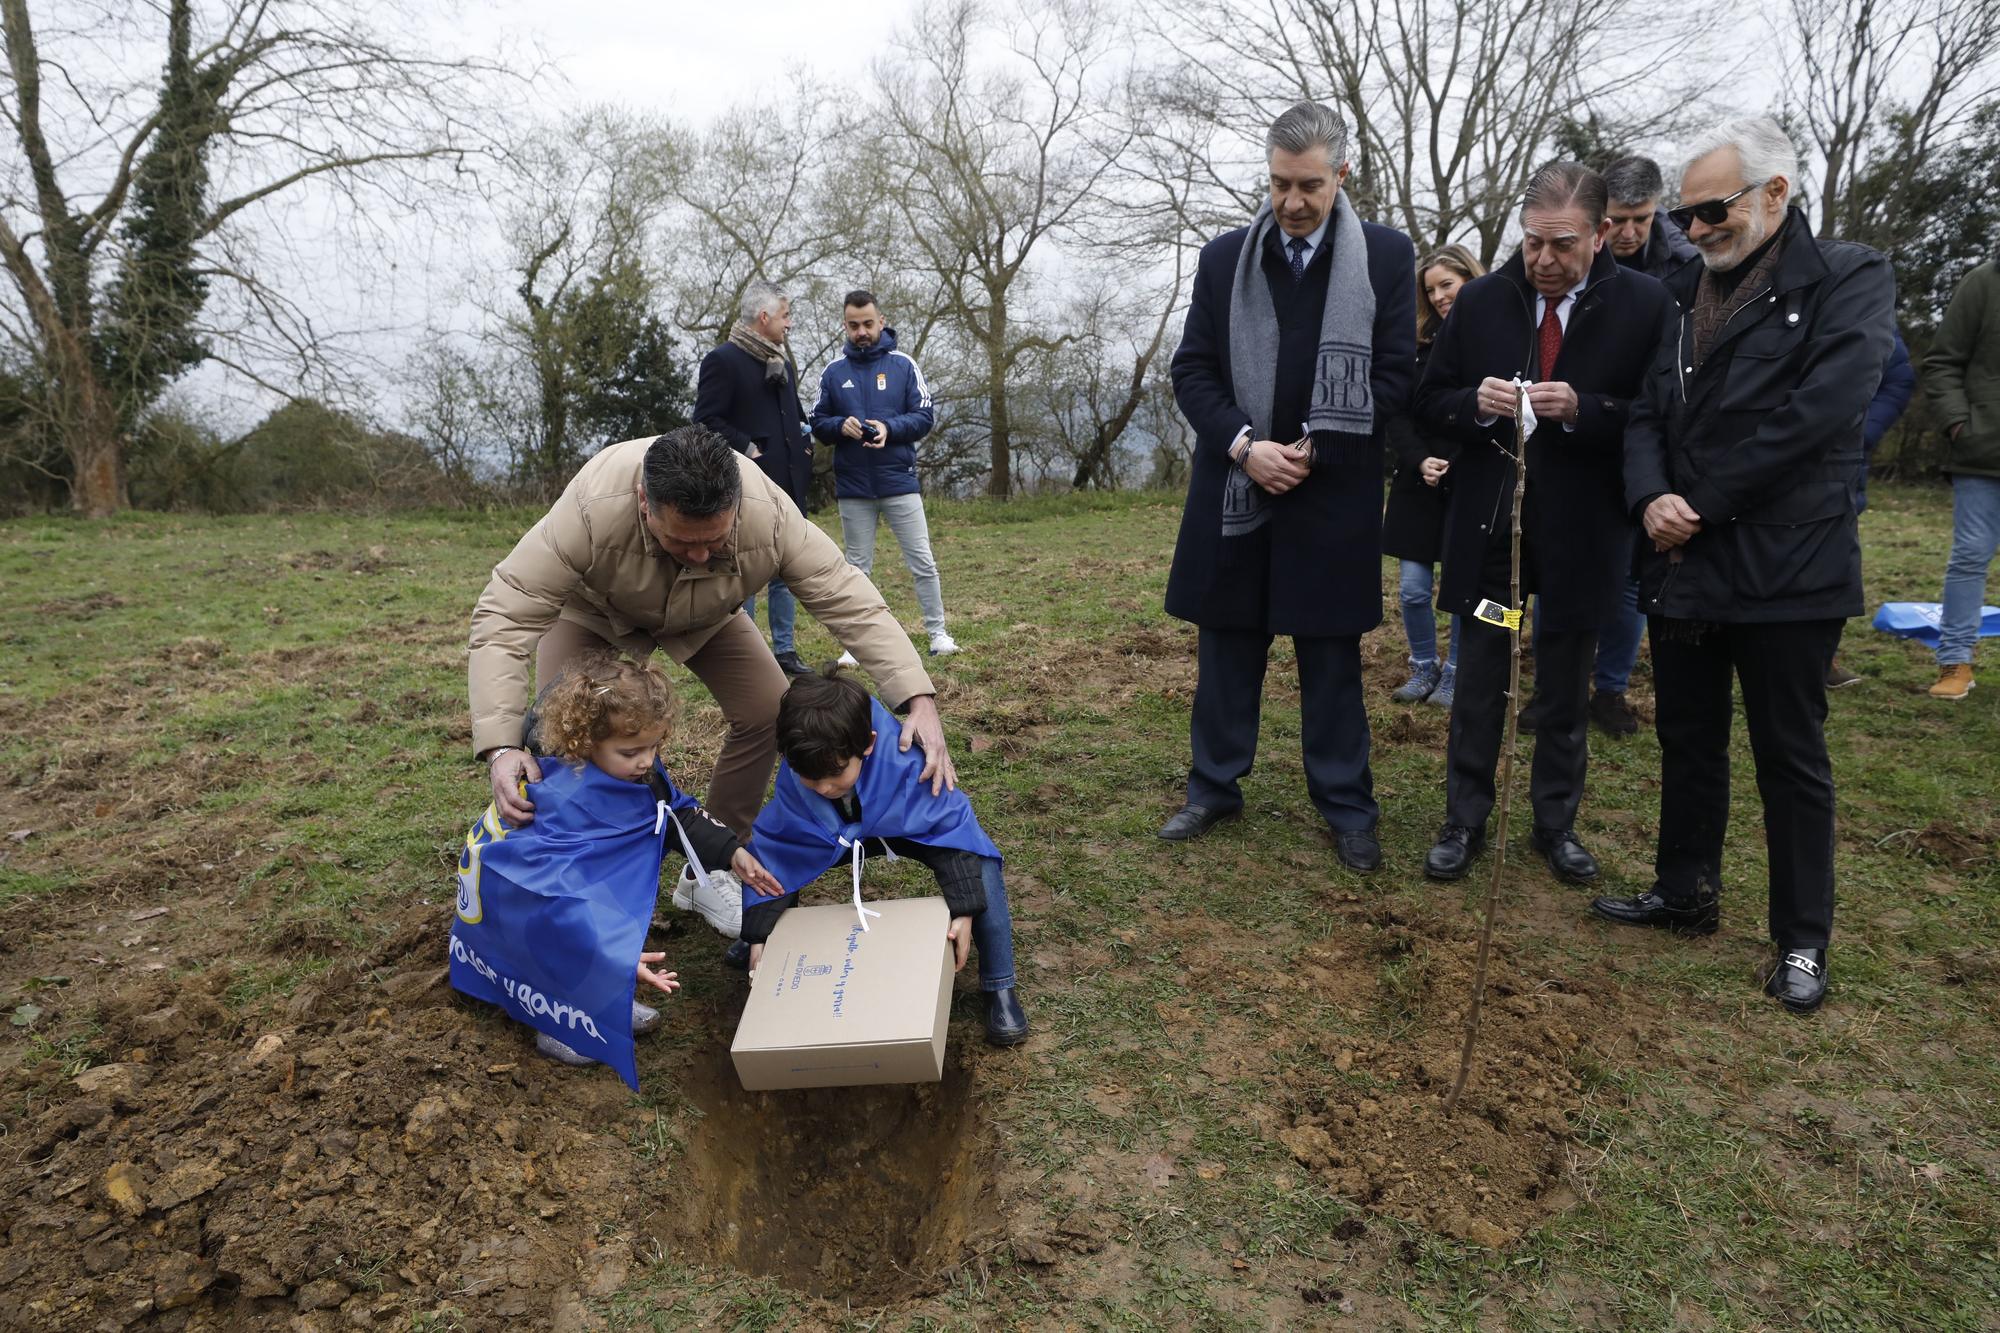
(1296, 355)
(1563, 315)
(1740, 459)
(748, 392)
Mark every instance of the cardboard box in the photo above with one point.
(834, 1006)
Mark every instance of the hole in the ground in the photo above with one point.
(865, 1194)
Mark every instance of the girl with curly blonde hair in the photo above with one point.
(605, 717)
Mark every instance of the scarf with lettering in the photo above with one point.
(1343, 404)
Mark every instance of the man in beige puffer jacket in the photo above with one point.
(655, 544)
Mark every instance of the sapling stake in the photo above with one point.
(1478, 1004)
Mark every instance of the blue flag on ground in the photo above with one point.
(552, 916)
(1921, 621)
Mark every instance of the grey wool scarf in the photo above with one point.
(1343, 403)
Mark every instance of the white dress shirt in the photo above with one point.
(1565, 304)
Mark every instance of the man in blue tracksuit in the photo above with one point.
(873, 408)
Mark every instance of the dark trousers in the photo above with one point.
(1333, 724)
(1783, 671)
(1563, 663)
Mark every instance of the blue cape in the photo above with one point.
(800, 835)
(552, 916)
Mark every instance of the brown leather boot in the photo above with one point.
(1954, 682)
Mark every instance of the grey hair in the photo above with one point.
(1305, 125)
(761, 297)
(1631, 181)
(1760, 142)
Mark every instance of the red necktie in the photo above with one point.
(1552, 334)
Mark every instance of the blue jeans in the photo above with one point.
(1975, 535)
(993, 931)
(1413, 591)
(1618, 643)
(784, 614)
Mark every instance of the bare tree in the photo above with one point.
(126, 199)
(578, 206)
(761, 193)
(990, 164)
(1873, 79)
(1096, 384)
(1453, 103)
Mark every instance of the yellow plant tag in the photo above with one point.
(1495, 614)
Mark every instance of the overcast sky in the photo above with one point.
(692, 58)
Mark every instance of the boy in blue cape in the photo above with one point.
(840, 795)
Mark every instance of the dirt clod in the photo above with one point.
(119, 1083)
(125, 1188)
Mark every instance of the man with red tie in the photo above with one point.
(1580, 330)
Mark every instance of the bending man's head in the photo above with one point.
(689, 493)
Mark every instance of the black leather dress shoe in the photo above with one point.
(1006, 1021)
(1452, 855)
(1191, 821)
(791, 665)
(1799, 980)
(1358, 849)
(1565, 854)
(1699, 916)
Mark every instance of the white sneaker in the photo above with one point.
(644, 1018)
(847, 660)
(720, 903)
(555, 1050)
(943, 645)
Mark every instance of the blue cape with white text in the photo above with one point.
(552, 916)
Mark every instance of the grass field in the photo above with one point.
(1227, 1119)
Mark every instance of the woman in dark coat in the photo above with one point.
(1413, 526)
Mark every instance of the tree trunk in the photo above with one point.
(999, 484)
(1830, 188)
(97, 455)
(87, 423)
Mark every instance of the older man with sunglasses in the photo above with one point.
(1738, 460)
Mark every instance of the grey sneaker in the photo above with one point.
(644, 1018)
(1422, 683)
(1447, 687)
(555, 1050)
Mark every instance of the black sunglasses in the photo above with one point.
(1714, 212)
